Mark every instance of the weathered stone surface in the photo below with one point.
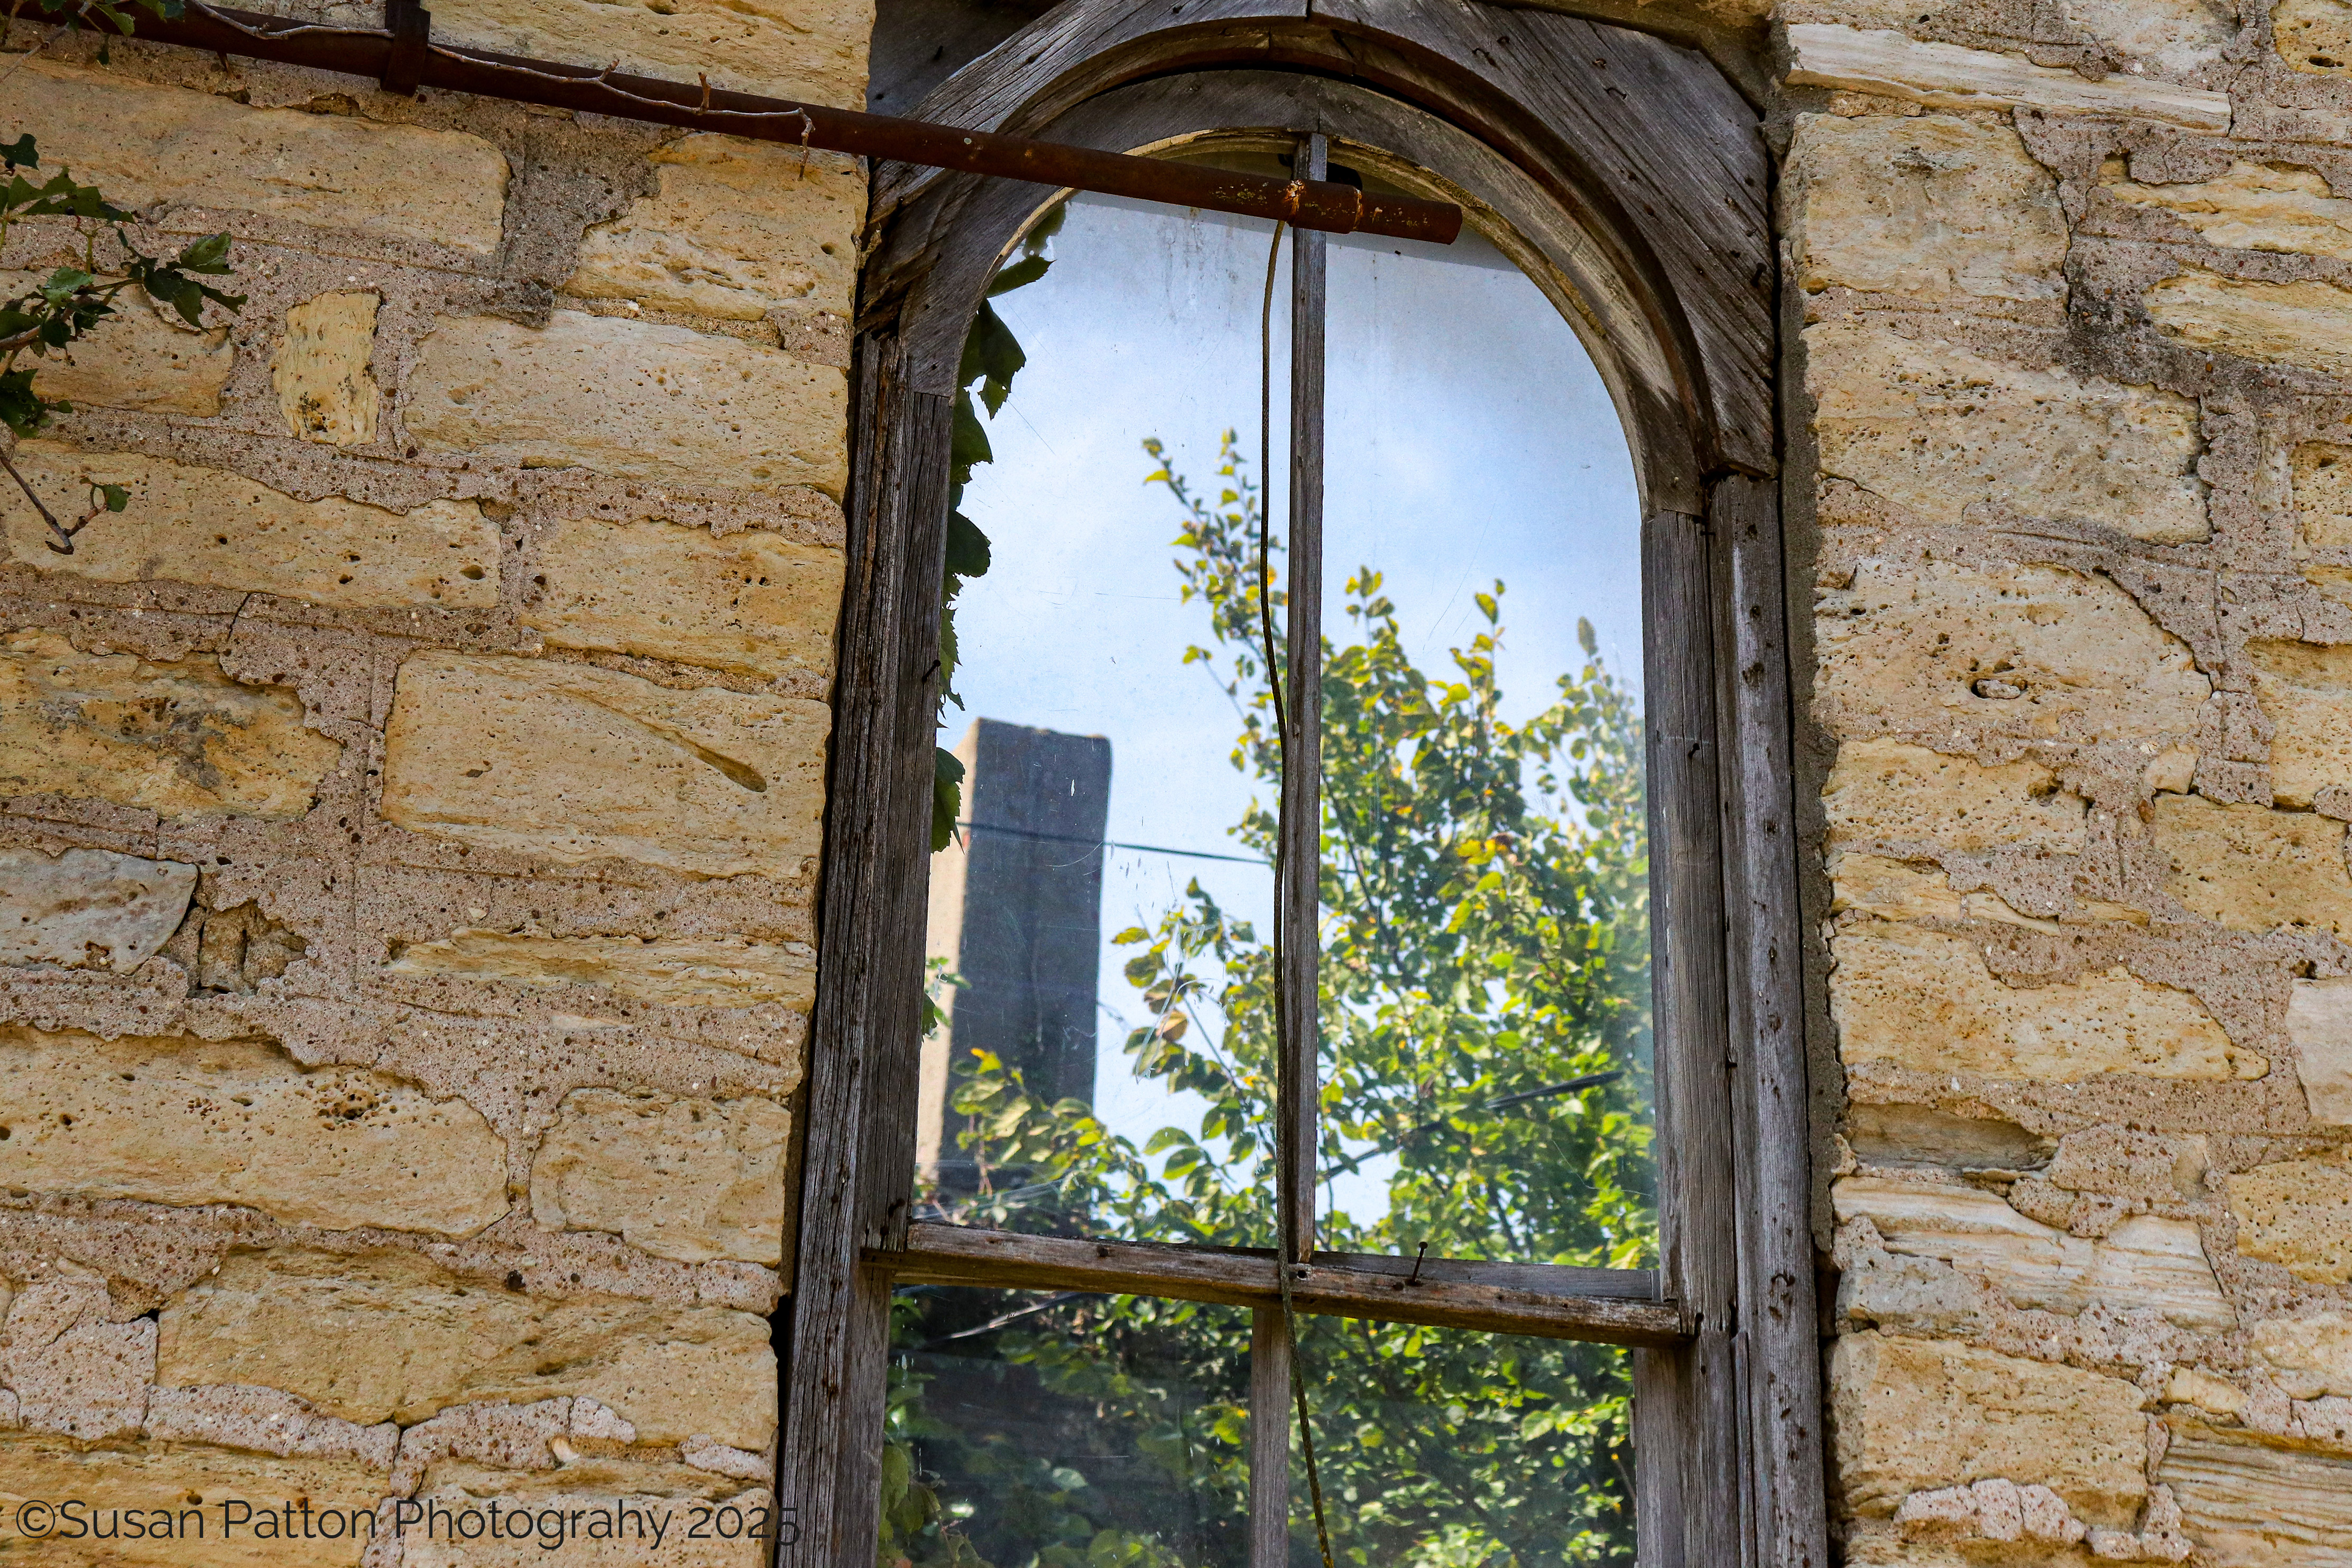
(2031, 650)
(1946, 76)
(1932, 208)
(139, 359)
(2297, 1214)
(689, 1179)
(148, 146)
(2175, 35)
(574, 763)
(2249, 1501)
(2319, 1023)
(782, 48)
(734, 230)
(179, 739)
(2314, 36)
(2321, 479)
(220, 529)
(2303, 323)
(74, 1371)
(594, 1493)
(1937, 429)
(186, 1122)
(719, 972)
(1924, 999)
(320, 369)
(2305, 691)
(1889, 791)
(292, 1319)
(2255, 206)
(1914, 1135)
(89, 909)
(2311, 1358)
(267, 1420)
(1906, 891)
(1915, 1415)
(637, 399)
(2144, 1264)
(755, 602)
(179, 1480)
(2252, 868)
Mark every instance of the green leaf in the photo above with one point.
(967, 548)
(947, 798)
(21, 154)
(116, 497)
(1019, 275)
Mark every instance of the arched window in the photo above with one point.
(1517, 934)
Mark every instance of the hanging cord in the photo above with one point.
(1281, 1021)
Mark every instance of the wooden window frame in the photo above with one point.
(1632, 182)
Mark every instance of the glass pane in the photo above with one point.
(1440, 1446)
(1486, 990)
(1107, 889)
(1035, 1428)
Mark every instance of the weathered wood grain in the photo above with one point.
(943, 1254)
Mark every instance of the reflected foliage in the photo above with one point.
(1484, 1027)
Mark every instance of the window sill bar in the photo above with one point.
(1337, 1285)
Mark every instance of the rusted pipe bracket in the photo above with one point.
(411, 27)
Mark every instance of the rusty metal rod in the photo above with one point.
(404, 57)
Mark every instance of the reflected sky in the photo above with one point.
(1469, 437)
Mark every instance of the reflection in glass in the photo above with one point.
(1440, 1447)
(1048, 1429)
(1486, 992)
(1097, 790)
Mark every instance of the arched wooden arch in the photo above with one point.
(1630, 180)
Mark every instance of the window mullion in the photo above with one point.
(1302, 778)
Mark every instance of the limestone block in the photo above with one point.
(180, 1482)
(2190, 1386)
(573, 764)
(2314, 36)
(2246, 1500)
(2144, 1264)
(1937, 429)
(2297, 1214)
(689, 1179)
(2175, 35)
(2031, 650)
(266, 1420)
(2255, 206)
(1901, 891)
(320, 369)
(1924, 999)
(1932, 208)
(220, 529)
(74, 1371)
(2310, 1358)
(1915, 1414)
(801, 49)
(2305, 691)
(598, 1514)
(755, 602)
(2304, 324)
(1887, 790)
(167, 146)
(2252, 868)
(390, 1336)
(2319, 1023)
(178, 739)
(2321, 481)
(139, 358)
(89, 909)
(716, 971)
(1914, 1135)
(237, 1121)
(733, 229)
(1946, 76)
(637, 399)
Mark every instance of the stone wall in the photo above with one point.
(412, 801)
(2070, 327)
